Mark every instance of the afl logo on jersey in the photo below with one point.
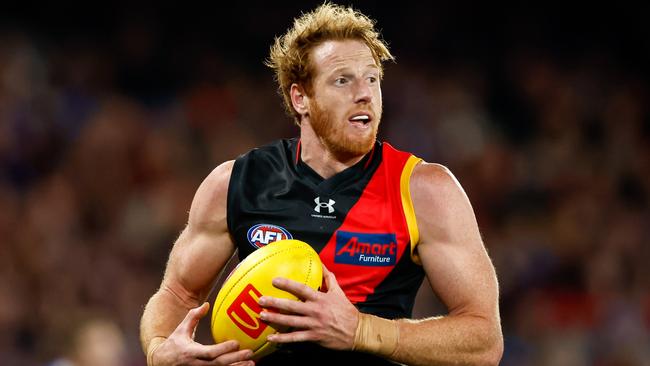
(263, 234)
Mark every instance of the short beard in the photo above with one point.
(335, 140)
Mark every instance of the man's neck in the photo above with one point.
(314, 153)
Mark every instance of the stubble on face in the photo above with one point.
(341, 145)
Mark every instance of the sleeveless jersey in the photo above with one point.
(360, 221)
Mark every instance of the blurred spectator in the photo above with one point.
(96, 343)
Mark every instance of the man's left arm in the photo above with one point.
(461, 274)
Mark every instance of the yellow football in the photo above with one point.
(236, 312)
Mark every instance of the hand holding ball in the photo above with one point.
(236, 312)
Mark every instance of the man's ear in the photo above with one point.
(299, 99)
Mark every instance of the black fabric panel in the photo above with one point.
(266, 186)
(395, 295)
(301, 354)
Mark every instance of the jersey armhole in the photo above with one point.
(233, 191)
(407, 205)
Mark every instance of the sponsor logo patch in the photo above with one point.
(366, 249)
(263, 234)
(328, 204)
(245, 312)
(324, 208)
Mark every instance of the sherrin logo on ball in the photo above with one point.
(236, 311)
(263, 234)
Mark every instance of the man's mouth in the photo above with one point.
(361, 118)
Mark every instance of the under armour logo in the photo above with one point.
(319, 205)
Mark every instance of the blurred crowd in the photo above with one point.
(99, 163)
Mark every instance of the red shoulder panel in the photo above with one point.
(374, 235)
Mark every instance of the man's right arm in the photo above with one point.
(198, 256)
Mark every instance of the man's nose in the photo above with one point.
(362, 92)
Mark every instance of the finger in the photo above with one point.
(301, 290)
(209, 352)
(239, 356)
(323, 286)
(299, 336)
(329, 279)
(188, 325)
(221, 362)
(243, 363)
(287, 305)
(292, 321)
(326, 271)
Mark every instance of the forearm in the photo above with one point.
(458, 340)
(161, 316)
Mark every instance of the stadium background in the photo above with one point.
(111, 115)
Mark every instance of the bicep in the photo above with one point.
(204, 246)
(463, 278)
(451, 250)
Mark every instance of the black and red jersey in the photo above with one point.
(360, 221)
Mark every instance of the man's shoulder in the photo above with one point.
(433, 177)
(436, 189)
(274, 149)
(208, 205)
(424, 172)
(216, 183)
(219, 175)
(433, 172)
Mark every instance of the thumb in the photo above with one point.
(329, 280)
(188, 325)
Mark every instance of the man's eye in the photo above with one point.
(372, 79)
(340, 81)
